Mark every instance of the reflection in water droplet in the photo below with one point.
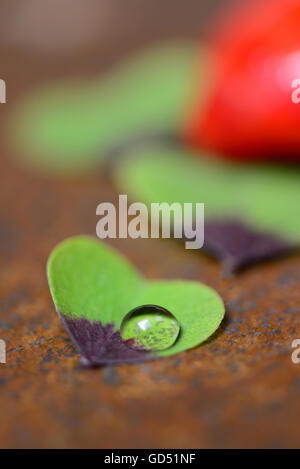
(151, 327)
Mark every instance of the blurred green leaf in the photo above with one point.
(264, 197)
(68, 127)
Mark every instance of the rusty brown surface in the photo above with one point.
(240, 389)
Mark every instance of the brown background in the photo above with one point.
(240, 389)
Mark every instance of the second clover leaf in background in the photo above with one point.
(72, 126)
(251, 211)
(97, 292)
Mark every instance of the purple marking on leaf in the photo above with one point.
(101, 345)
(236, 245)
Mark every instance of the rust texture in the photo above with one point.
(239, 389)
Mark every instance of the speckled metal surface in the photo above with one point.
(239, 389)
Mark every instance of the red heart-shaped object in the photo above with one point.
(251, 109)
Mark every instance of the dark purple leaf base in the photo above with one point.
(236, 245)
(101, 345)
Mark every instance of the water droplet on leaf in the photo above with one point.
(151, 327)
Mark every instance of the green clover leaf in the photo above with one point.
(94, 289)
(69, 127)
(263, 197)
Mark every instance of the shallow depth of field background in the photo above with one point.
(240, 389)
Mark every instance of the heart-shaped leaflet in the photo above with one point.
(94, 289)
(72, 127)
(250, 210)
